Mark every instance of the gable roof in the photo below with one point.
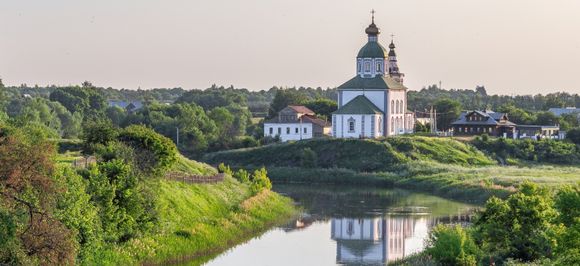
(493, 118)
(301, 109)
(360, 105)
(379, 82)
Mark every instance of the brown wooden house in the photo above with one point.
(480, 122)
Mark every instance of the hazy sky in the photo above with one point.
(510, 46)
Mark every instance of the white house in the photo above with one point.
(296, 122)
(374, 103)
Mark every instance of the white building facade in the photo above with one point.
(296, 122)
(378, 80)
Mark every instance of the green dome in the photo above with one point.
(373, 50)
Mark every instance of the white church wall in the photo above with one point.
(289, 131)
(341, 125)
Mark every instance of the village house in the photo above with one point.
(296, 122)
(479, 122)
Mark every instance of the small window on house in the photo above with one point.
(279, 131)
(296, 131)
(305, 130)
(271, 130)
(288, 130)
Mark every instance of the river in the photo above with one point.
(341, 225)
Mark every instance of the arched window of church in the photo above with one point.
(392, 107)
(367, 66)
(397, 108)
(380, 124)
(378, 66)
(351, 125)
(392, 124)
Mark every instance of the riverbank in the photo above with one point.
(197, 221)
(440, 166)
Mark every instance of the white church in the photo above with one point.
(374, 103)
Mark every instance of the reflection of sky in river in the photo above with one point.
(348, 227)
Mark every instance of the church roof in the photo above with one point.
(372, 50)
(360, 105)
(379, 82)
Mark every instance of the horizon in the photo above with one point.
(180, 44)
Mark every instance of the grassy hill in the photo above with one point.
(196, 221)
(355, 154)
(442, 166)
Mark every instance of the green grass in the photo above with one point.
(355, 154)
(473, 184)
(197, 221)
(192, 167)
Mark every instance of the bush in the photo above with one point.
(520, 227)
(242, 176)
(260, 181)
(222, 168)
(309, 158)
(452, 245)
(573, 135)
(154, 153)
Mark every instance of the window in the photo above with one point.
(367, 66)
(271, 130)
(392, 124)
(288, 130)
(305, 130)
(392, 107)
(359, 66)
(397, 107)
(279, 131)
(296, 131)
(379, 67)
(380, 124)
(351, 124)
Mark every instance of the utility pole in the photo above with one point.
(177, 136)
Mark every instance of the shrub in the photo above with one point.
(242, 176)
(309, 158)
(260, 181)
(154, 153)
(222, 168)
(452, 245)
(573, 135)
(519, 227)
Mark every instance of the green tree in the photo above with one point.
(284, 98)
(452, 245)
(154, 153)
(447, 111)
(573, 135)
(323, 107)
(546, 118)
(521, 226)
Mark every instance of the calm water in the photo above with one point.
(346, 226)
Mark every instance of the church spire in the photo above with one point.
(393, 66)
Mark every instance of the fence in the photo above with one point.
(195, 179)
(84, 162)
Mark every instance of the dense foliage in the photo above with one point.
(544, 151)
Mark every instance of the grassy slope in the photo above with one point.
(438, 165)
(198, 220)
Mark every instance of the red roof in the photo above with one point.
(315, 120)
(301, 109)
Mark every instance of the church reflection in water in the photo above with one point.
(379, 240)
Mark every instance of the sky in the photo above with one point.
(509, 46)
